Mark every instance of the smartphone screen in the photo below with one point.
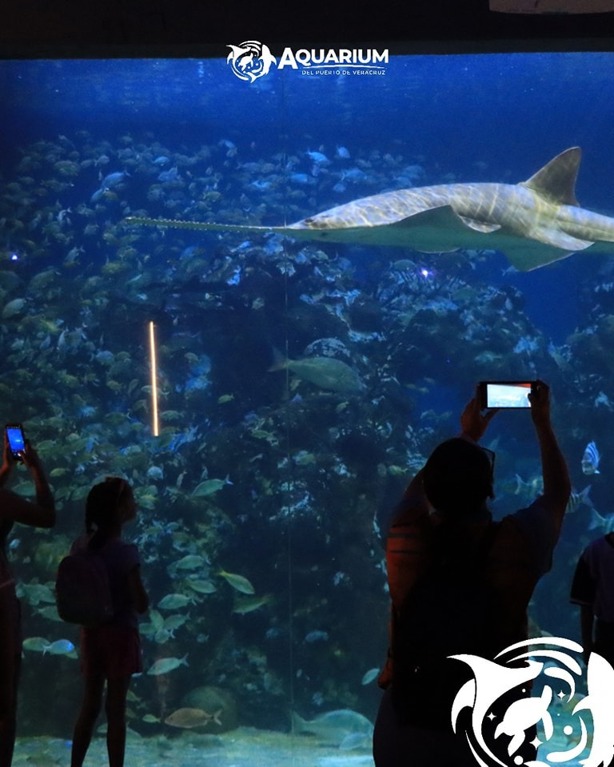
(507, 394)
(16, 439)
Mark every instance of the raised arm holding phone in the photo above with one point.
(445, 555)
(38, 513)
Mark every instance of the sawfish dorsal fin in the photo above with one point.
(556, 181)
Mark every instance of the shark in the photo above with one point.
(534, 222)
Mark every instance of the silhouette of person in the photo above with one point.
(592, 589)
(13, 508)
(111, 652)
(443, 516)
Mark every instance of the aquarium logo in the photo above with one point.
(550, 667)
(252, 60)
(345, 61)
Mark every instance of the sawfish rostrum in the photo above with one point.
(534, 222)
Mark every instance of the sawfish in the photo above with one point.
(534, 222)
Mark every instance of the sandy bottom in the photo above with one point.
(244, 747)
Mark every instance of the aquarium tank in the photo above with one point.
(269, 389)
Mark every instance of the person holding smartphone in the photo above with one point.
(461, 583)
(38, 513)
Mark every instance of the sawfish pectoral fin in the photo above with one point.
(529, 259)
(480, 226)
(439, 218)
(445, 219)
(544, 246)
(441, 230)
(559, 239)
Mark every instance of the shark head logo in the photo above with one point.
(250, 60)
(498, 735)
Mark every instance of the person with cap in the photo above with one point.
(447, 559)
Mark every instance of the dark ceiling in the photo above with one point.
(82, 27)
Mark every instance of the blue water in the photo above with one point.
(311, 473)
(469, 117)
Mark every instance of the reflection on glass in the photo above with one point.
(300, 383)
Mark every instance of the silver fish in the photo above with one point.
(598, 522)
(174, 602)
(166, 665)
(577, 499)
(333, 727)
(209, 487)
(324, 372)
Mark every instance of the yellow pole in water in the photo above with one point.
(155, 426)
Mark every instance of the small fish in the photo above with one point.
(156, 619)
(174, 622)
(579, 499)
(187, 718)
(319, 158)
(174, 602)
(598, 522)
(35, 644)
(525, 490)
(59, 471)
(50, 613)
(201, 585)
(166, 665)
(190, 562)
(590, 459)
(112, 180)
(209, 487)
(167, 176)
(238, 582)
(35, 593)
(333, 727)
(162, 636)
(13, 308)
(250, 604)
(369, 676)
(355, 740)
(60, 647)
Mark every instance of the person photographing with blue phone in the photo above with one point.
(37, 513)
(16, 440)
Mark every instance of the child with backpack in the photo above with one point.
(110, 652)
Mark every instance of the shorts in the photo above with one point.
(10, 650)
(113, 652)
(604, 640)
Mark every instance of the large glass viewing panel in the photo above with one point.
(301, 382)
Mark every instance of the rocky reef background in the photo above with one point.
(264, 501)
